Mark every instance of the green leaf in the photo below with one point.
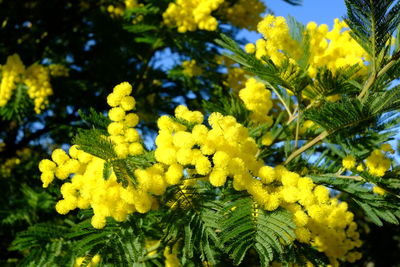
(19, 105)
(95, 142)
(373, 24)
(243, 228)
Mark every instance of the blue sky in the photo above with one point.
(320, 11)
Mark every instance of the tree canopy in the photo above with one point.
(149, 133)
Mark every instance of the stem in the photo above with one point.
(293, 117)
(357, 178)
(298, 121)
(297, 130)
(280, 99)
(306, 146)
(374, 76)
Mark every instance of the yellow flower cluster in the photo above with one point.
(94, 262)
(321, 221)
(190, 68)
(349, 162)
(257, 99)
(378, 190)
(11, 163)
(8, 166)
(122, 132)
(235, 76)
(87, 187)
(58, 70)
(131, 4)
(36, 77)
(211, 154)
(171, 256)
(39, 88)
(333, 49)
(118, 10)
(244, 13)
(307, 125)
(226, 150)
(190, 15)
(377, 163)
(115, 11)
(10, 75)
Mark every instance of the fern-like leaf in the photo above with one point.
(243, 227)
(373, 23)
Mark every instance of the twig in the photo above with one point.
(280, 98)
(306, 146)
(374, 76)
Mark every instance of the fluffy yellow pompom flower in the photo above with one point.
(122, 150)
(174, 174)
(267, 174)
(114, 99)
(116, 114)
(98, 221)
(250, 48)
(135, 149)
(46, 165)
(267, 139)
(377, 163)
(47, 177)
(182, 112)
(115, 128)
(183, 139)
(171, 257)
(123, 89)
(62, 207)
(302, 234)
(349, 162)
(131, 120)
(131, 135)
(203, 165)
(258, 100)
(128, 103)
(59, 156)
(378, 190)
(218, 177)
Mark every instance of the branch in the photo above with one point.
(306, 146)
(374, 76)
(280, 98)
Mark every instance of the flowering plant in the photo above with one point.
(273, 172)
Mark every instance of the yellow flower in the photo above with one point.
(378, 190)
(349, 162)
(116, 114)
(190, 68)
(190, 15)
